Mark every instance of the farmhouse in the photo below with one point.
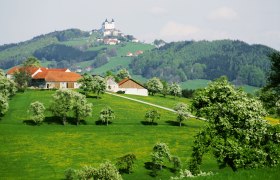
(50, 78)
(129, 86)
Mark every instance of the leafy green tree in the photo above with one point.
(7, 86)
(106, 115)
(31, 62)
(4, 105)
(183, 112)
(176, 163)
(154, 85)
(62, 103)
(165, 88)
(175, 90)
(235, 132)
(99, 85)
(94, 84)
(125, 163)
(37, 110)
(81, 108)
(107, 171)
(152, 116)
(159, 154)
(86, 83)
(22, 78)
(122, 74)
(274, 76)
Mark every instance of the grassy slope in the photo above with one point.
(120, 59)
(44, 152)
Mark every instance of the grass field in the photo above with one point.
(44, 152)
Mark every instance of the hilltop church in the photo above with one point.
(108, 28)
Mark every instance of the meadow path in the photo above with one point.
(150, 104)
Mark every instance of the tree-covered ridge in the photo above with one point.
(181, 61)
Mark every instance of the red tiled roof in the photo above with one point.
(31, 70)
(58, 76)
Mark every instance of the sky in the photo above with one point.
(252, 21)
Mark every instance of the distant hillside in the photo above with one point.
(180, 61)
(70, 48)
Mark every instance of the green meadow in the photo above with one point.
(46, 151)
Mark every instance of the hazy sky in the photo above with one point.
(253, 21)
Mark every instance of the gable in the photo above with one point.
(129, 83)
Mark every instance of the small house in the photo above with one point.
(129, 86)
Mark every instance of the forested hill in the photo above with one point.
(180, 61)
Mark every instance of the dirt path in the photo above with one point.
(150, 104)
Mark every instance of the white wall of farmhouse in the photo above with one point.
(135, 91)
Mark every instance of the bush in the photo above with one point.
(120, 92)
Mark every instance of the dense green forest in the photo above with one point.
(180, 61)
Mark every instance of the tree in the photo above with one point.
(154, 85)
(160, 152)
(94, 84)
(7, 86)
(62, 103)
(4, 105)
(86, 83)
(159, 42)
(165, 88)
(31, 62)
(81, 108)
(22, 78)
(99, 85)
(122, 74)
(37, 112)
(183, 112)
(152, 116)
(175, 90)
(125, 163)
(107, 171)
(235, 130)
(106, 115)
(274, 76)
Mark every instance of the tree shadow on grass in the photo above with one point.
(99, 122)
(148, 123)
(29, 122)
(174, 123)
(154, 168)
(53, 120)
(57, 120)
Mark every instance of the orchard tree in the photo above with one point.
(175, 90)
(62, 103)
(86, 83)
(81, 107)
(125, 163)
(235, 133)
(122, 74)
(159, 154)
(107, 171)
(99, 85)
(106, 115)
(165, 88)
(4, 105)
(7, 86)
(152, 116)
(94, 84)
(154, 85)
(23, 76)
(37, 109)
(183, 112)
